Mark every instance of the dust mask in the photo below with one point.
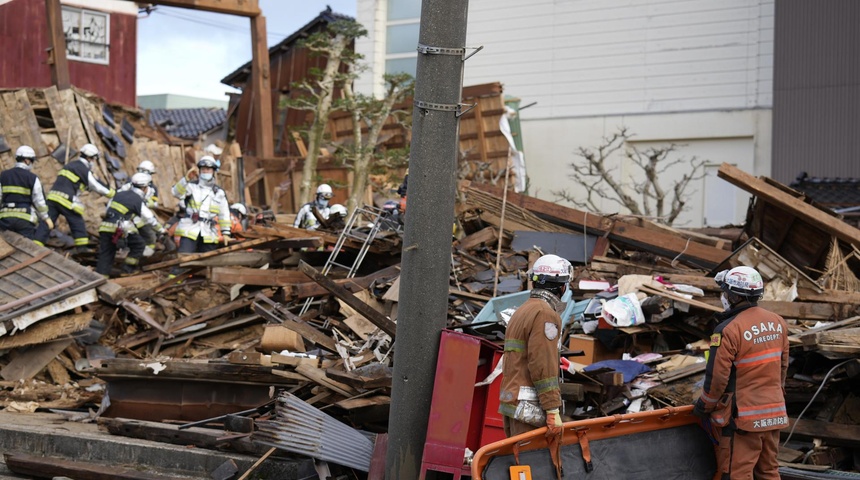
(724, 299)
(206, 176)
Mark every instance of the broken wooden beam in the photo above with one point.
(686, 250)
(272, 312)
(214, 253)
(54, 467)
(816, 217)
(255, 276)
(378, 319)
(831, 433)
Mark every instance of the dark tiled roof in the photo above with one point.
(237, 78)
(831, 192)
(187, 122)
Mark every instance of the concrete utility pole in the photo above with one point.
(426, 256)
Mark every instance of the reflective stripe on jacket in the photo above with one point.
(206, 211)
(72, 180)
(21, 194)
(749, 356)
(531, 356)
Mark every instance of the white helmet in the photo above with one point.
(146, 167)
(213, 149)
(551, 268)
(141, 180)
(207, 161)
(324, 190)
(338, 209)
(743, 281)
(25, 152)
(89, 150)
(239, 208)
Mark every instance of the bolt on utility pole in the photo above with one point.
(426, 257)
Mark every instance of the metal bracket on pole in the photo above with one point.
(459, 52)
(457, 108)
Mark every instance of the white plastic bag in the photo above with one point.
(623, 311)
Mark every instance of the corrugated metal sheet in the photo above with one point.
(33, 277)
(816, 106)
(300, 428)
(23, 35)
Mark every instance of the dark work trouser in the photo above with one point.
(745, 455)
(19, 226)
(107, 252)
(76, 224)
(148, 234)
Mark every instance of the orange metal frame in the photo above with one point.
(597, 428)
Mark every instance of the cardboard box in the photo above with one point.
(594, 350)
(277, 338)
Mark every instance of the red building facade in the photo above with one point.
(101, 39)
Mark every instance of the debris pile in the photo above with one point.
(311, 316)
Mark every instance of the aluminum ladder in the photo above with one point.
(366, 215)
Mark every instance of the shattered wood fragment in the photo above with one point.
(488, 235)
(47, 330)
(132, 341)
(142, 314)
(199, 256)
(821, 219)
(271, 312)
(319, 377)
(253, 276)
(31, 361)
(368, 312)
(40, 466)
(687, 251)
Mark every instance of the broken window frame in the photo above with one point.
(87, 47)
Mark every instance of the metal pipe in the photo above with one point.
(423, 302)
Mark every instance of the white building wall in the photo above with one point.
(692, 72)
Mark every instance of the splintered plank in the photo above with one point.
(350, 299)
(66, 117)
(30, 362)
(214, 253)
(42, 467)
(832, 433)
(254, 276)
(784, 201)
(47, 330)
(26, 121)
(687, 251)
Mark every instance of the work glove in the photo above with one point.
(699, 409)
(110, 193)
(49, 223)
(553, 423)
(225, 240)
(565, 365)
(720, 278)
(191, 174)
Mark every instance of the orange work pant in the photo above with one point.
(747, 455)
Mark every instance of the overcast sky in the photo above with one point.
(188, 52)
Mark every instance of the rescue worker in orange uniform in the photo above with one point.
(743, 393)
(530, 397)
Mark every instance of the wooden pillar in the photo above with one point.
(262, 108)
(57, 55)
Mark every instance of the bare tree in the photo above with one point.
(334, 43)
(372, 113)
(644, 197)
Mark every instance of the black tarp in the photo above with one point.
(681, 453)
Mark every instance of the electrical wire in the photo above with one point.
(212, 23)
(820, 387)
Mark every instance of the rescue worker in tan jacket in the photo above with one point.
(530, 396)
(743, 394)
